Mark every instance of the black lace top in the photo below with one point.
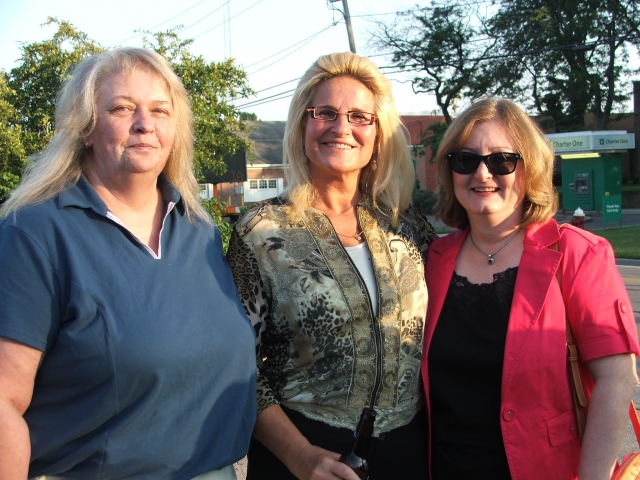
(465, 376)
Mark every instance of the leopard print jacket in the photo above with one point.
(320, 350)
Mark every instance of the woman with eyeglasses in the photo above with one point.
(501, 289)
(331, 275)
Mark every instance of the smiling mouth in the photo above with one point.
(343, 146)
(485, 189)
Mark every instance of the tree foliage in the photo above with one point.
(218, 209)
(12, 154)
(44, 66)
(430, 138)
(573, 53)
(440, 44)
(560, 59)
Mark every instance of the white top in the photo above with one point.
(361, 257)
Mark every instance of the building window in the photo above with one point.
(253, 184)
(263, 184)
(273, 184)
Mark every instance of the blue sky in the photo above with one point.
(274, 40)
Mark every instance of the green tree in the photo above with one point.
(219, 126)
(574, 55)
(12, 154)
(560, 59)
(218, 209)
(43, 68)
(440, 44)
(430, 138)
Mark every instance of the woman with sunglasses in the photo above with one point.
(494, 362)
(331, 275)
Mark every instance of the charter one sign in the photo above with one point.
(592, 141)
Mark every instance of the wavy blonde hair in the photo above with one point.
(62, 163)
(529, 141)
(391, 184)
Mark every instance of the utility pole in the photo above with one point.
(347, 19)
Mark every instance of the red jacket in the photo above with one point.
(537, 414)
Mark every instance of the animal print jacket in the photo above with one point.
(320, 350)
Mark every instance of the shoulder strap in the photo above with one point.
(579, 397)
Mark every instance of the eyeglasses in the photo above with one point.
(329, 115)
(498, 163)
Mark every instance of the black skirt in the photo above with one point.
(400, 454)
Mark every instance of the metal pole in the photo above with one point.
(347, 19)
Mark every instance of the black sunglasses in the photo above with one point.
(498, 163)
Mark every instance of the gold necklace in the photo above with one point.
(490, 259)
(357, 236)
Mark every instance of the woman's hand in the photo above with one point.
(316, 463)
(307, 462)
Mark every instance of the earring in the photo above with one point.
(373, 163)
(86, 142)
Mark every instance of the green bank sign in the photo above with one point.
(591, 141)
(571, 144)
(625, 141)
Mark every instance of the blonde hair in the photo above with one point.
(62, 162)
(390, 186)
(529, 141)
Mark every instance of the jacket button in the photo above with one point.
(509, 414)
(623, 307)
(573, 430)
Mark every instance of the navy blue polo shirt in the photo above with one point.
(149, 364)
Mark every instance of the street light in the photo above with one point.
(347, 19)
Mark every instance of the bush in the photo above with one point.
(425, 200)
(217, 209)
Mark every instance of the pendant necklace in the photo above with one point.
(490, 259)
(357, 236)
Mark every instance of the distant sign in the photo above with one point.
(591, 141)
(611, 209)
(571, 144)
(619, 141)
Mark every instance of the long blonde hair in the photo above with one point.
(391, 184)
(529, 141)
(61, 164)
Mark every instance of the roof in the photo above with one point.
(266, 142)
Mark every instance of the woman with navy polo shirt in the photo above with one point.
(124, 350)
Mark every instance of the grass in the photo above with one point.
(625, 241)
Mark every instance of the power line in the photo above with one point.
(263, 100)
(220, 24)
(207, 15)
(295, 44)
(160, 24)
(279, 85)
(291, 53)
(269, 101)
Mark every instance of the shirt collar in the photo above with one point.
(83, 195)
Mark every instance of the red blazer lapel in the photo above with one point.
(536, 272)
